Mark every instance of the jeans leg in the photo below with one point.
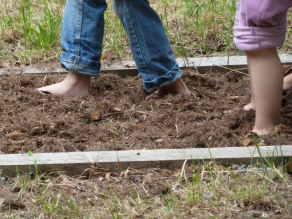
(82, 35)
(149, 43)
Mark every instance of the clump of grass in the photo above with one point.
(31, 28)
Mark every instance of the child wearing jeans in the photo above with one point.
(81, 41)
(259, 28)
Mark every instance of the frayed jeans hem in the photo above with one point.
(167, 79)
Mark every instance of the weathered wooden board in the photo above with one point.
(128, 68)
(75, 163)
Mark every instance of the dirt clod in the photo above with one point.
(8, 200)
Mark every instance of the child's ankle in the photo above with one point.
(265, 131)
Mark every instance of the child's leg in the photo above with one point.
(251, 105)
(82, 35)
(150, 47)
(267, 82)
(259, 28)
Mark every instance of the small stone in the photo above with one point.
(265, 215)
(234, 167)
(3, 180)
(243, 167)
(95, 116)
(208, 196)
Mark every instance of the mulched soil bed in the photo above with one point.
(116, 116)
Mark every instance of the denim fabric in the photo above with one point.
(83, 30)
(149, 43)
(82, 35)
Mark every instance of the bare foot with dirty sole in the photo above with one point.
(75, 85)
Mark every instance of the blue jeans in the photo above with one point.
(82, 35)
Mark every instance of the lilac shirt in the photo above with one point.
(260, 24)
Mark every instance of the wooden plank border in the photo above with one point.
(128, 68)
(203, 64)
(75, 163)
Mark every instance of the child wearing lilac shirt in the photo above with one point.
(259, 28)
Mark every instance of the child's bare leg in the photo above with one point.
(251, 105)
(74, 84)
(267, 83)
(287, 82)
(177, 87)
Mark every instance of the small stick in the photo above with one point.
(44, 105)
(231, 69)
(266, 178)
(110, 114)
(144, 188)
(181, 174)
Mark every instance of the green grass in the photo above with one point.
(30, 29)
(204, 190)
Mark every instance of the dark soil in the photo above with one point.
(117, 116)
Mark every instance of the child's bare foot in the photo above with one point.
(266, 131)
(287, 82)
(250, 106)
(177, 87)
(76, 85)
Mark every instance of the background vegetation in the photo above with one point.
(30, 29)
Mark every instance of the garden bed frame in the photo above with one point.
(128, 68)
(77, 163)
